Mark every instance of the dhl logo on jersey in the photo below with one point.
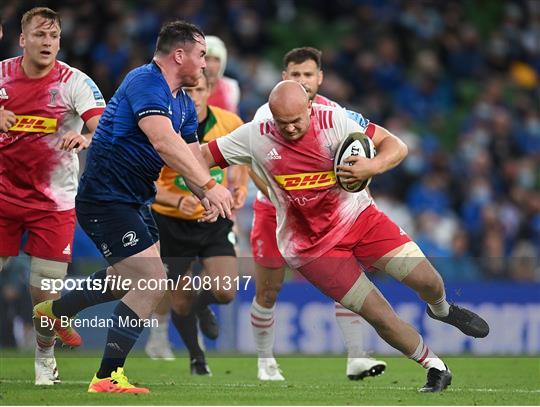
(306, 180)
(34, 124)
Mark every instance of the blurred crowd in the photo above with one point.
(458, 81)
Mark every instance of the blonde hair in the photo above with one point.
(44, 12)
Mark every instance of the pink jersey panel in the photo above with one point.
(34, 172)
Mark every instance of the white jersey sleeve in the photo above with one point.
(235, 147)
(83, 94)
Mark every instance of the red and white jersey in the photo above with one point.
(313, 212)
(225, 94)
(264, 112)
(34, 172)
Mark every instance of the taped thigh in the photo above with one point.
(355, 297)
(404, 261)
(41, 269)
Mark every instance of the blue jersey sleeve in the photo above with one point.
(189, 128)
(147, 96)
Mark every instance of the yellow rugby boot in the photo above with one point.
(117, 383)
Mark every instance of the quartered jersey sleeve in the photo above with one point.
(367, 127)
(147, 96)
(234, 148)
(86, 98)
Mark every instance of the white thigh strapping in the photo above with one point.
(41, 269)
(355, 297)
(405, 261)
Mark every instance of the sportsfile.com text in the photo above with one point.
(116, 283)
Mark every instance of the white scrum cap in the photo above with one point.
(216, 48)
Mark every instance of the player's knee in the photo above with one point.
(225, 296)
(47, 273)
(433, 285)
(181, 308)
(376, 321)
(383, 322)
(153, 282)
(180, 304)
(156, 295)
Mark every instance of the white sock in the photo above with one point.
(262, 324)
(45, 345)
(350, 325)
(425, 357)
(441, 308)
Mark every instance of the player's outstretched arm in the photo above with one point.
(179, 156)
(173, 149)
(207, 162)
(390, 152)
(207, 156)
(205, 192)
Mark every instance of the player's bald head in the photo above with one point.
(291, 108)
(288, 98)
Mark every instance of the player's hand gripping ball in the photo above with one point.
(355, 144)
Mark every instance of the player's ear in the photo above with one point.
(284, 75)
(179, 55)
(21, 40)
(321, 77)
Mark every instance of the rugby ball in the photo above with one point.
(355, 144)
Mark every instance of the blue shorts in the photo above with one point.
(119, 230)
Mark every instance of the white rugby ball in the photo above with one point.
(355, 144)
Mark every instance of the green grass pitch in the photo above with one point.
(310, 380)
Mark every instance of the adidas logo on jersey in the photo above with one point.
(67, 249)
(273, 155)
(3, 94)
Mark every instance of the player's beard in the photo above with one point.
(311, 95)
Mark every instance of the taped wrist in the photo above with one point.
(209, 185)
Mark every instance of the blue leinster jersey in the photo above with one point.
(122, 164)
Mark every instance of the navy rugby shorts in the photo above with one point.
(119, 230)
